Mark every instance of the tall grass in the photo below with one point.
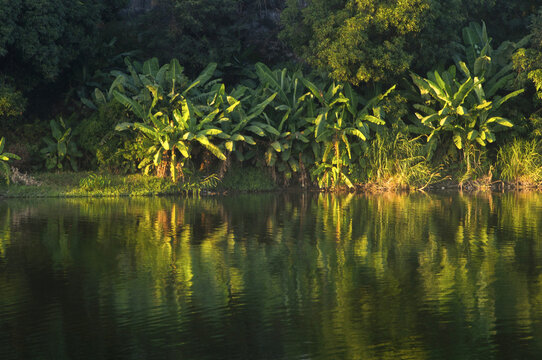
(395, 161)
(520, 162)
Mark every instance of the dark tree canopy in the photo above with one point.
(199, 31)
(40, 38)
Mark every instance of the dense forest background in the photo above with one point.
(352, 91)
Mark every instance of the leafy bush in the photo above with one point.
(94, 182)
(61, 147)
(99, 135)
(5, 158)
(247, 179)
(12, 102)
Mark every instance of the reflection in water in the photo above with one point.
(273, 277)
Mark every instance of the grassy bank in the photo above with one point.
(89, 184)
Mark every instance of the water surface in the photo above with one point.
(270, 276)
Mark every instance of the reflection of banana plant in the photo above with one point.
(344, 117)
(60, 146)
(459, 110)
(5, 157)
(171, 122)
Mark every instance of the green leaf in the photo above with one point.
(146, 129)
(428, 119)
(203, 140)
(123, 126)
(347, 144)
(473, 134)
(500, 120)
(62, 149)
(165, 144)
(249, 140)
(258, 109)
(130, 104)
(88, 103)
(57, 134)
(374, 120)
(256, 130)
(180, 119)
(445, 120)
(12, 156)
(502, 100)
(267, 77)
(458, 141)
(206, 74)
(237, 137)
(229, 145)
(357, 133)
(276, 145)
(490, 137)
(320, 125)
(211, 132)
(463, 92)
(464, 69)
(183, 149)
(314, 90)
(158, 157)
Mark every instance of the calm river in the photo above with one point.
(295, 276)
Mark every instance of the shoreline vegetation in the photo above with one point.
(87, 184)
(131, 118)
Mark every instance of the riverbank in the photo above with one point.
(91, 184)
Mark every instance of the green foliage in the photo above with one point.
(201, 31)
(170, 120)
(83, 184)
(41, 38)
(286, 128)
(394, 160)
(459, 111)
(93, 182)
(120, 157)
(12, 103)
(380, 40)
(528, 61)
(239, 178)
(520, 162)
(60, 147)
(99, 135)
(5, 158)
(344, 120)
(358, 41)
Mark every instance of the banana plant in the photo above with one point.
(173, 112)
(484, 61)
(344, 120)
(285, 126)
(237, 117)
(460, 111)
(169, 137)
(60, 146)
(5, 158)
